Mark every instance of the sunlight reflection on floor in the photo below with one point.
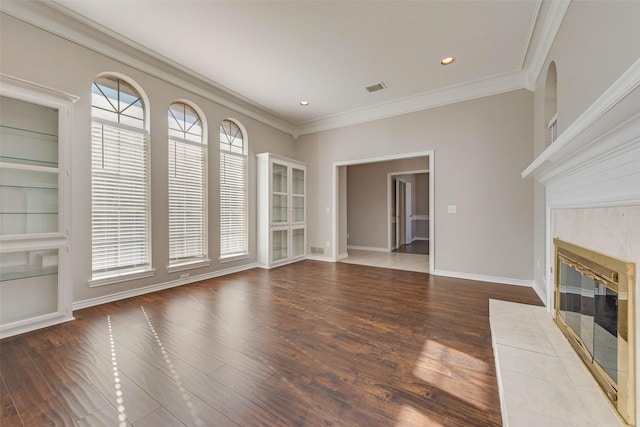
(122, 417)
(409, 416)
(438, 365)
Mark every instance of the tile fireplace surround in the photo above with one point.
(591, 178)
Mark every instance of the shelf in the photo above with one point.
(26, 147)
(35, 272)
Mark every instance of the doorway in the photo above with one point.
(343, 248)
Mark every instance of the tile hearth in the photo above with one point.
(542, 380)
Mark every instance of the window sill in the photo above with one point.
(230, 258)
(172, 268)
(122, 277)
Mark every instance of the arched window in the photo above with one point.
(121, 241)
(551, 105)
(233, 191)
(187, 187)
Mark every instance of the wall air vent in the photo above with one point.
(376, 87)
(317, 250)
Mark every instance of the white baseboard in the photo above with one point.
(368, 248)
(420, 238)
(540, 292)
(343, 255)
(482, 278)
(28, 325)
(78, 305)
(319, 258)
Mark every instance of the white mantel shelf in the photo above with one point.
(599, 152)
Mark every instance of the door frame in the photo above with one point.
(335, 202)
(391, 202)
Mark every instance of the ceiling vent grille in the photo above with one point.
(376, 87)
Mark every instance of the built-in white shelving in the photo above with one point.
(282, 227)
(35, 289)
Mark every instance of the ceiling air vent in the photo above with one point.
(376, 87)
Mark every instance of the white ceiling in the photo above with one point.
(277, 53)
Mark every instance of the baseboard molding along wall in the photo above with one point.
(368, 248)
(78, 305)
(482, 278)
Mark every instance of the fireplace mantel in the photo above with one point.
(596, 160)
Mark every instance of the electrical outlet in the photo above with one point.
(327, 244)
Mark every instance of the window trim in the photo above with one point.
(193, 262)
(230, 257)
(139, 272)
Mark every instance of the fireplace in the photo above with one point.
(594, 309)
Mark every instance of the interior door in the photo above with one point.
(409, 216)
(402, 212)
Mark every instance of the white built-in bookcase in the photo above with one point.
(35, 258)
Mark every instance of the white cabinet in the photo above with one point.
(35, 285)
(282, 210)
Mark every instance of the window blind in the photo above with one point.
(120, 198)
(187, 226)
(233, 204)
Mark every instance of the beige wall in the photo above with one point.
(596, 43)
(480, 147)
(367, 201)
(39, 57)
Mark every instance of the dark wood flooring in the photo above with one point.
(307, 344)
(417, 247)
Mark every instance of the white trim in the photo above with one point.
(575, 137)
(78, 305)
(123, 277)
(483, 278)
(343, 255)
(35, 93)
(28, 242)
(172, 268)
(549, 30)
(426, 239)
(231, 258)
(463, 92)
(318, 258)
(71, 26)
(391, 203)
(334, 218)
(33, 323)
(59, 20)
(421, 217)
(367, 248)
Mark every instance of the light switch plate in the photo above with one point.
(452, 209)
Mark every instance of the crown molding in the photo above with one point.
(463, 92)
(549, 29)
(615, 106)
(58, 20)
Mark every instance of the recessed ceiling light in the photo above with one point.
(304, 103)
(448, 60)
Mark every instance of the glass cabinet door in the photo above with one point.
(297, 195)
(25, 275)
(279, 245)
(278, 178)
(279, 190)
(297, 242)
(28, 168)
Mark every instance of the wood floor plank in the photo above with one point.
(309, 343)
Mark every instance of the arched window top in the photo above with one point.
(116, 100)
(232, 138)
(185, 123)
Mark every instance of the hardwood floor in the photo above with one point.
(420, 247)
(306, 344)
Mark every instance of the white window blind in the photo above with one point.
(120, 198)
(233, 191)
(187, 186)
